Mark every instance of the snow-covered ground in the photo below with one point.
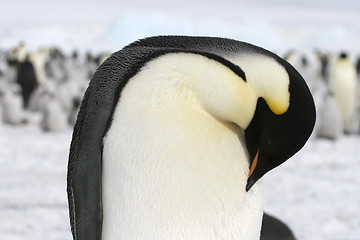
(33, 166)
(316, 192)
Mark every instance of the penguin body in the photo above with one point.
(53, 116)
(39, 59)
(145, 160)
(27, 79)
(322, 66)
(357, 65)
(40, 96)
(202, 181)
(65, 95)
(319, 91)
(12, 105)
(74, 111)
(343, 83)
(14, 58)
(331, 119)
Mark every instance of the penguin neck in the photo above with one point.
(176, 172)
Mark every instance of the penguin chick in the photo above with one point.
(12, 105)
(53, 116)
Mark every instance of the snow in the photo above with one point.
(88, 25)
(33, 200)
(316, 192)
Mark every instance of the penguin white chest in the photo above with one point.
(343, 83)
(176, 172)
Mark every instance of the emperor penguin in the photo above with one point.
(27, 79)
(331, 124)
(174, 134)
(322, 65)
(12, 105)
(53, 117)
(343, 83)
(357, 65)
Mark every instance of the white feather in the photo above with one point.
(343, 83)
(175, 165)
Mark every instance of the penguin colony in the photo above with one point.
(43, 86)
(28, 79)
(174, 135)
(333, 80)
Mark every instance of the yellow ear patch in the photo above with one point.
(268, 79)
(278, 107)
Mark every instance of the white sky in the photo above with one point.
(43, 21)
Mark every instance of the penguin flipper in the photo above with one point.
(84, 170)
(84, 178)
(274, 229)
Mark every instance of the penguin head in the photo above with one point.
(280, 126)
(343, 55)
(272, 104)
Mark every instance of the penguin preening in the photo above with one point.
(343, 83)
(173, 134)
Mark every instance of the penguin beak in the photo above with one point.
(271, 139)
(253, 163)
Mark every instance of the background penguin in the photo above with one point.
(40, 96)
(55, 66)
(14, 58)
(322, 65)
(53, 116)
(65, 95)
(151, 115)
(74, 111)
(91, 64)
(304, 61)
(27, 80)
(331, 125)
(343, 83)
(358, 66)
(292, 58)
(39, 59)
(12, 105)
(3, 66)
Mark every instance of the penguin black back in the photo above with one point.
(26, 78)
